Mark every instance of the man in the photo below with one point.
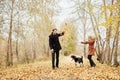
(91, 49)
(55, 46)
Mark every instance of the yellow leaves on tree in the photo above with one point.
(69, 39)
(112, 18)
(111, 21)
(90, 8)
(110, 9)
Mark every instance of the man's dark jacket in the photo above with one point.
(54, 41)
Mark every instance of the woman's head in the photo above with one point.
(91, 38)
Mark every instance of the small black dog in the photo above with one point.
(77, 59)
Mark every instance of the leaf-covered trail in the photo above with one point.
(67, 71)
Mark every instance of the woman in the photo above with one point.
(91, 50)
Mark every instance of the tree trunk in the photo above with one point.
(8, 56)
(34, 51)
(116, 46)
(9, 47)
(107, 49)
(84, 20)
(17, 51)
(108, 35)
(84, 27)
(117, 41)
(26, 53)
(84, 40)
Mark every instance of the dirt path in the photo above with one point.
(67, 71)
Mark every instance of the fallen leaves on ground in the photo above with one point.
(67, 71)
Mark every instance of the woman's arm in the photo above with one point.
(88, 42)
(85, 42)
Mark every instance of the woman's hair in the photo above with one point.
(91, 37)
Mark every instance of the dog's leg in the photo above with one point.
(75, 64)
(71, 59)
(82, 65)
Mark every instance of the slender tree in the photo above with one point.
(9, 47)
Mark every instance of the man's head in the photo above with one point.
(54, 31)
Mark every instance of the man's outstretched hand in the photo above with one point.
(63, 32)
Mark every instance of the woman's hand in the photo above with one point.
(81, 42)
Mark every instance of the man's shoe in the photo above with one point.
(57, 66)
(53, 67)
(93, 65)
